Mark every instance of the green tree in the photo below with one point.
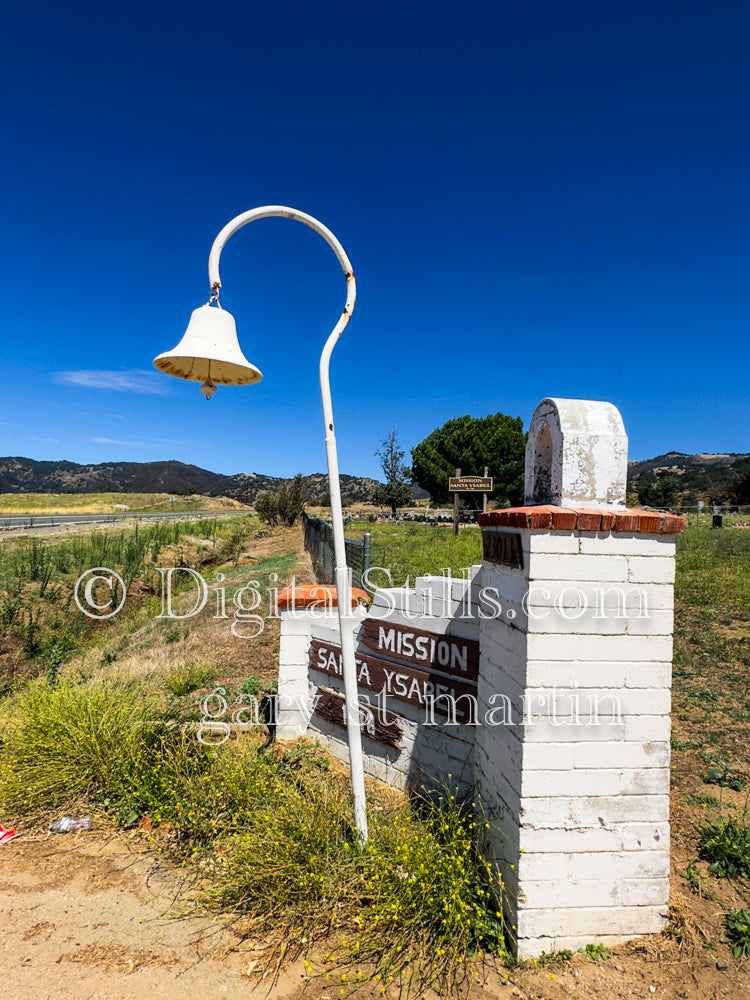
(740, 492)
(658, 491)
(266, 507)
(396, 491)
(469, 444)
(291, 499)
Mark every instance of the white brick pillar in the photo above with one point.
(572, 758)
(294, 697)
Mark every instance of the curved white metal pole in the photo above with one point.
(343, 575)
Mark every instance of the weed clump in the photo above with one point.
(418, 896)
(68, 742)
(188, 677)
(725, 844)
(738, 932)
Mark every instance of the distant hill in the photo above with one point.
(25, 475)
(670, 480)
(676, 479)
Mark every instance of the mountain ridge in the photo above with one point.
(28, 475)
(674, 477)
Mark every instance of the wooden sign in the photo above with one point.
(430, 650)
(503, 547)
(470, 484)
(416, 687)
(381, 726)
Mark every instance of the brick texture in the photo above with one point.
(644, 522)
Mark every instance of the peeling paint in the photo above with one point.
(576, 455)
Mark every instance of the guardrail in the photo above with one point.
(11, 522)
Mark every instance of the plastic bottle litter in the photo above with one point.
(68, 824)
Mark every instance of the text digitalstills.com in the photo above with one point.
(101, 593)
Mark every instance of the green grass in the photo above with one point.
(409, 550)
(712, 640)
(69, 743)
(419, 892)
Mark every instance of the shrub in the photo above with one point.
(266, 507)
(66, 743)
(419, 894)
(173, 779)
(432, 893)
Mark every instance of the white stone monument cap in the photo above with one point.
(576, 455)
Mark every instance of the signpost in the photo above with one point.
(468, 484)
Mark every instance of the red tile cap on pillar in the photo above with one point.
(584, 519)
(589, 520)
(650, 522)
(564, 519)
(517, 517)
(626, 520)
(540, 517)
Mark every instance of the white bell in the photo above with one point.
(209, 351)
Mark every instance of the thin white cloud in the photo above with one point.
(133, 380)
(150, 443)
(140, 444)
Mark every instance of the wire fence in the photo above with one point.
(712, 515)
(319, 543)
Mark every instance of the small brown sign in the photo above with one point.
(470, 484)
(381, 726)
(503, 547)
(430, 650)
(417, 687)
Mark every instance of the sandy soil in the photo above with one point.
(95, 916)
(88, 917)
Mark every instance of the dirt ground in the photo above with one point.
(92, 918)
(96, 916)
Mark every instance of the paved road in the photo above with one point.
(9, 521)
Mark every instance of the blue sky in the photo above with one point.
(538, 199)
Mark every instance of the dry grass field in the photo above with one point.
(109, 503)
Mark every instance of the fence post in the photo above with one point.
(366, 556)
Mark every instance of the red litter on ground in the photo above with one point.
(6, 835)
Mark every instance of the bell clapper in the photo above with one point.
(208, 388)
